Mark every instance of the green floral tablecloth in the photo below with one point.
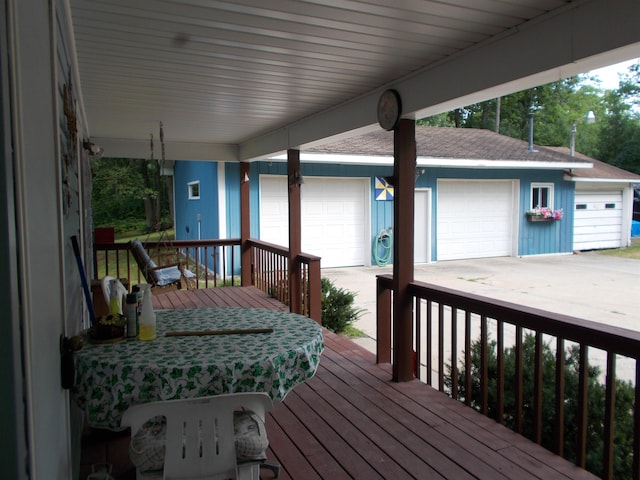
(112, 377)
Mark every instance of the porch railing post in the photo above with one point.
(245, 227)
(383, 320)
(315, 291)
(295, 282)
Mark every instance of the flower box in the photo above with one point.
(539, 218)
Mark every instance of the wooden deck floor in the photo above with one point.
(217, 297)
(351, 421)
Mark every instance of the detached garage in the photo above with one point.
(335, 217)
(473, 191)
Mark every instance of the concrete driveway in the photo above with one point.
(591, 286)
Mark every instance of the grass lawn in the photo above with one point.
(146, 237)
(629, 252)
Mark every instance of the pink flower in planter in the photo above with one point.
(545, 212)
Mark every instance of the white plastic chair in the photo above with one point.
(200, 435)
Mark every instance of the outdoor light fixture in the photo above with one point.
(95, 151)
(589, 119)
(246, 177)
(296, 178)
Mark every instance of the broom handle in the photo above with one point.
(83, 278)
(242, 331)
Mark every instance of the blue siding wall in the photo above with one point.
(206, 208)
(547, 237)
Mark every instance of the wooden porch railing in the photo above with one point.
(216, 262)
(212, 261)
(270, 273)
(448, 324)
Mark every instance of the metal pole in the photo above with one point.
(530, 117)
(572, 139)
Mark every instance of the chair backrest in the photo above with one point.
(145, 264)
(200, 434)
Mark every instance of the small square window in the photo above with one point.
(542, 195)
(194, 190)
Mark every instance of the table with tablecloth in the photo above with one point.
(110, 377)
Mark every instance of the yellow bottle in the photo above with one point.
(114, 301)
(147, 330)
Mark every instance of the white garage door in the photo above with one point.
(475, 219)
(335, 218)
(597, 220)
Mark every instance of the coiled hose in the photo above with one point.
(382, 247)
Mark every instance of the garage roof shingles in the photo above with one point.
(601, 170)
(474, 144)
(449, 143)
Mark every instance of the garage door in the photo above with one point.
(597, 220)
(335, 217)
(475, 219)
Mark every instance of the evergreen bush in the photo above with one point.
(338, 310)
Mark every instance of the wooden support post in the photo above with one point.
(246, 275)
(404, 171)
(295, 229)
(383, 321)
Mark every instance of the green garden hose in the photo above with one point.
(384, 243)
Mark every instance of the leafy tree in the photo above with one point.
(116, 187)
(619, 135)
(440, 120)
(127, 192)
(556, 107)
(596, 402)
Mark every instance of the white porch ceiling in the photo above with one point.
(239, 80)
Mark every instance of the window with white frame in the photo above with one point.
(194, 190)
(542, 195)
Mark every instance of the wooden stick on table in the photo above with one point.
(242, 331)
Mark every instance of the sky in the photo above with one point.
(609, 75)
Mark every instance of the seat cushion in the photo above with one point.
(147, 446)
(167, 276)
(250, 435)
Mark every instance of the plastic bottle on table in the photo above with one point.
(114, 301)
(147, 323)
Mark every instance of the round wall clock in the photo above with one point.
(389, 109)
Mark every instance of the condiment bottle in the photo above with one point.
(131, 311)
(138, 291)
(147, 330)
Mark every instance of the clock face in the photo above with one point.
(389, 109)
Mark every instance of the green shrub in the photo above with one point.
(338, 311)
(623, 444)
